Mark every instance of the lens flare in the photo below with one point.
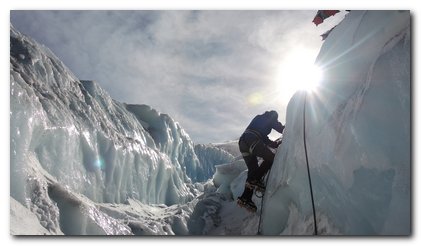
(255, 98)
(99, 163)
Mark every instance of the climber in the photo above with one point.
(254, 143)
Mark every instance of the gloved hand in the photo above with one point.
(275, 144)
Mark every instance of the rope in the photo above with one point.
(263, 194)
(261, 205)
(308, 168)
(308, 172)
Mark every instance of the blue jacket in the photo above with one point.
(264, 123)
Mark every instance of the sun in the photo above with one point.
(297, 71)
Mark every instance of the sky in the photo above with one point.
(211, 71)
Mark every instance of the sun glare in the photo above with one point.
(298, 72)
(313, 78)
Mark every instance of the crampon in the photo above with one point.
(247, 204)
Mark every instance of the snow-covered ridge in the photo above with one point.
(75, 132)
(357, 136)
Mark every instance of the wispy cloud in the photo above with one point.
(200, 67)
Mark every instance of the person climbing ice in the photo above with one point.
(253, 143)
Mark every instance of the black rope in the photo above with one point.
(308, 172)
(261, 204)
(308, 168)
(263, 194)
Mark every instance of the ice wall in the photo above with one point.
(76, 133)
(357, 134)
(225, 174)
(198, 161)
(170, 138)
(210, 156)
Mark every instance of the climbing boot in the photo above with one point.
(247, 204)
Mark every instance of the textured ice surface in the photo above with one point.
(87, 140)
(85, 164)
(210, 156)
(73, 132)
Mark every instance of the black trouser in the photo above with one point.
(251, 146)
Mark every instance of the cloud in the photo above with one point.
(200, 67)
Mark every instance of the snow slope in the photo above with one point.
(357, 135)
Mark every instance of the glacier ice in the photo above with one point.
(211, 156)
(22, 220)
(357, 134)
(169, 138)
(85, 164)
(73, 132)
(225, 174)
(87, 140)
